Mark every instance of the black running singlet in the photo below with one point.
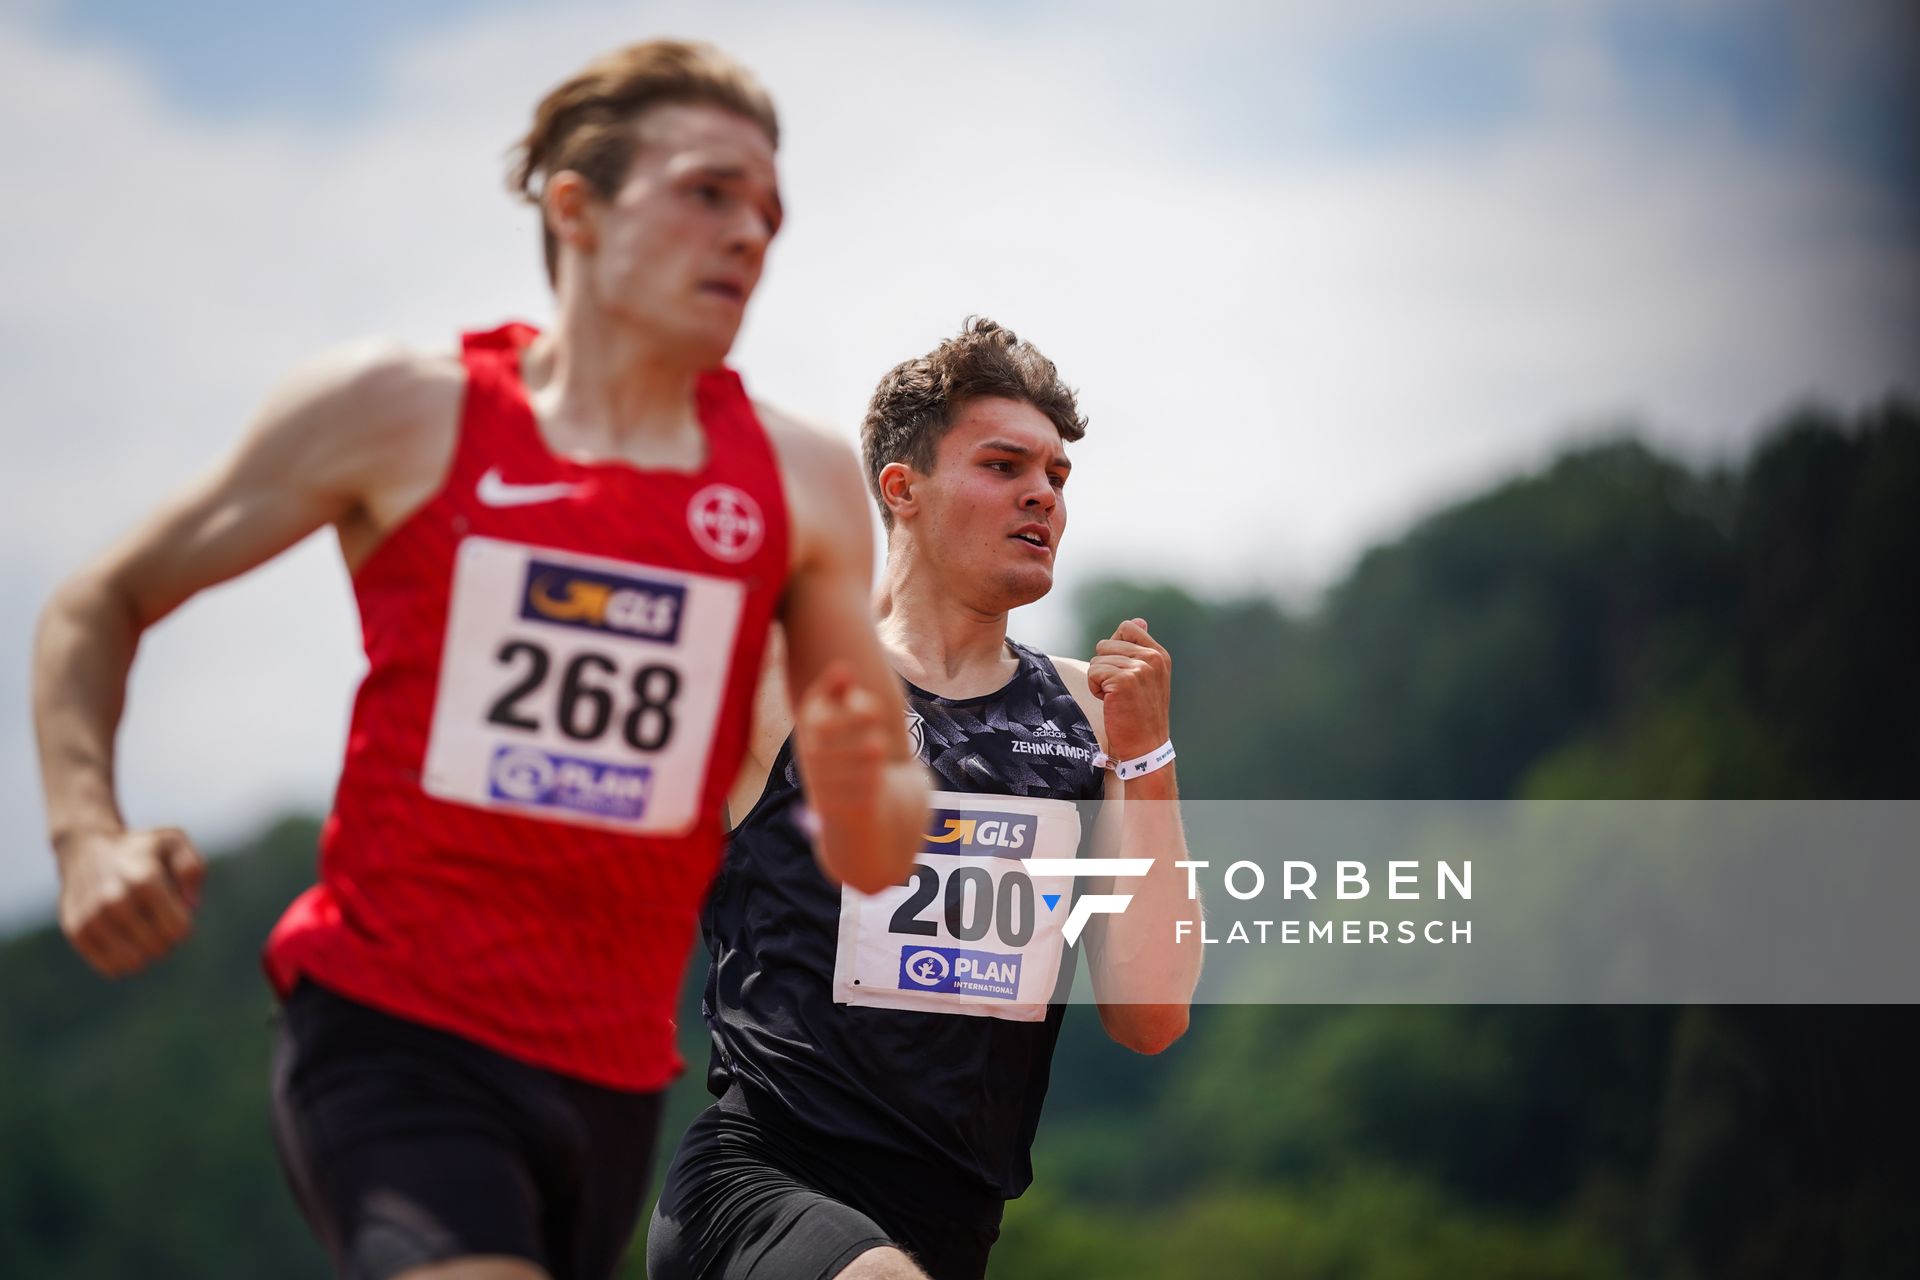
(919, 1022)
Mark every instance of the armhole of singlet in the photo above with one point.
(456, 459)
(489, 369)
(462, 442)
(1044, 661)
(774, 770)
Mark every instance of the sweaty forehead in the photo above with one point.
(993, 421)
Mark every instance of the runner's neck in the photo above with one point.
(599, 393)
(938, 642)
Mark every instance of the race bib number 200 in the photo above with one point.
(579, 689)
(972, 931)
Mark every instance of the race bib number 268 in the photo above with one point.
(579, 689)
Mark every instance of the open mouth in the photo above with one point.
(1034, 539)
(731, 292)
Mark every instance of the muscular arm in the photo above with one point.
(849, 722)
(1142, 977)
(125, 896)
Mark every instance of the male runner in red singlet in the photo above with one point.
(567, 550)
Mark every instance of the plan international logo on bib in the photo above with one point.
(530, 776)
(595, 600)
(957, 972)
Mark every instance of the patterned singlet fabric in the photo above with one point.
(914, 1028)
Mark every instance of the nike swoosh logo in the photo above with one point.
(495, 492)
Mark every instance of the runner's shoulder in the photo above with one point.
(379, 383)
(804, 448)
(821, 475)
(1073, 674)
(361, 416)
(357, 392)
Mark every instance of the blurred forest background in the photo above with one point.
(1616, 625)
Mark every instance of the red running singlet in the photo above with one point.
(561, 665)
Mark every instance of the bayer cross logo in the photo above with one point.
(928, 968)
(726, 522)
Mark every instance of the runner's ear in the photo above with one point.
(564, 202)
(896, 489)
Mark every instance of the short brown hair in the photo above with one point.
(586, 123)
(915, 405)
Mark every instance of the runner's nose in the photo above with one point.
(749, 234)
(1040, 496)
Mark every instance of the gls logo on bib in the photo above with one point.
(574, 596)
(981, 832)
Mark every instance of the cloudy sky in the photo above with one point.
(1315, 268)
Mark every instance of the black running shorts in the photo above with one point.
(407, 1145)
(746, 1200)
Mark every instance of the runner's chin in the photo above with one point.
(1026, 577)
(716, 317)
(703, 329)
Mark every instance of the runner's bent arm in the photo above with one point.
(1143, 974)
(772, 722)
(849, 720)
(126, 896)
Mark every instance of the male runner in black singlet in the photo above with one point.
(881, 1062)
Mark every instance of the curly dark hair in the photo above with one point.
(915, 404)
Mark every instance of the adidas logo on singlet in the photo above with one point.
(1053, 742)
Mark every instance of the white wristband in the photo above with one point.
(1138, 767)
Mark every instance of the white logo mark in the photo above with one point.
(726, 522)
(1090, 904)
(928, 968)
(495, 492)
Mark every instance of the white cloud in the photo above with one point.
(1285, 352)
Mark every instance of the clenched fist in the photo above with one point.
(128, 897)
(844, 739)
(1132, 675)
